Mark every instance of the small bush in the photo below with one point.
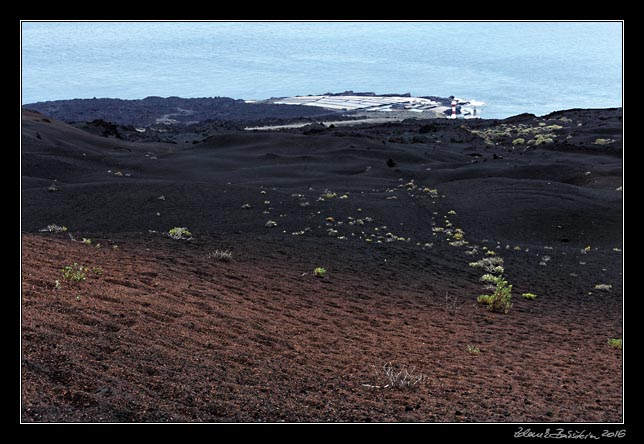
(518, 141)
(319, 272)
(500, 300)
(328, 195)
(179, 233)
(543, 140)
(529, 296)
(53, 228)
(402, 378)
(492, 265)
(615, 343)
(220, 255)
(603, 287)
(603, 141)
(430, 191)
(74, 272)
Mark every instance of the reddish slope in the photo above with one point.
(166, 334)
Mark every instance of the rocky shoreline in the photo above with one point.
(153, 111)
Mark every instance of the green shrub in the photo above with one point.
(327, 195)
(615, 343)
(500, 300)
(543, 139)
(74, 272)
(530, 296)
(518, 141)
(319, 272)
(179, 233)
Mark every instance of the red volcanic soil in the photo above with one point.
(160, 330)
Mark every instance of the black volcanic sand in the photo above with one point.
(166, 333)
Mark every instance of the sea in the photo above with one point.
(514, 67)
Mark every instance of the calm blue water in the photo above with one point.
(514, 67)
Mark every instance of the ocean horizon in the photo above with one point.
(514, 67)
